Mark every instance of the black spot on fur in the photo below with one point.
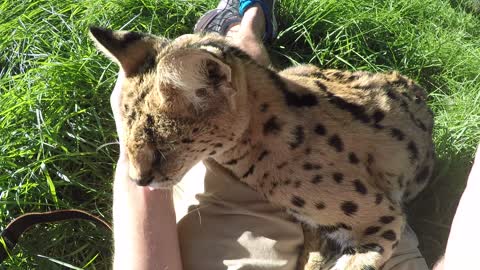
(417, 122)
(217, 145)
(360, 187)
(400, 81)
(187, 140)
(338, 74)
(265, 175)
(310, 166)
(387, 219)
(370, 247)
(400, 181)
(249, 172)
(338, 177)
(281, 165)
(140, 98)
(349, 208)
(297, 201)
(297, 184)
(352, 78)
(397, 134)
(336, 142)
(149, 121)
(412, 148)
(320, 205)
(392, 95)
(322, 86)
(230, 162)
(389, 235)
(263, 155)
(421, 177)
(212, 153)
(320, 129)
(353, 158)
(421, 125)
(378, 198)
(349, 251)
(317, 179)
(149, 132)
(292, 99)
(272, 126)
(264, 107)
(357, 111)
(327, 228)
(132, 117)
(293, 211)
(320, 76)
(378, 116)
(299, 136)
(308, 151)
(344, 226)
(195, 130)
(372, 230)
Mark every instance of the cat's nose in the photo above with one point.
(143, 181)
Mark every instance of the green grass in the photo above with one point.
(57, 133)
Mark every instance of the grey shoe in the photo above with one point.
(220, 19)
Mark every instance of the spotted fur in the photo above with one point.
(339, 150)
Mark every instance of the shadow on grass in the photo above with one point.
(431, 213)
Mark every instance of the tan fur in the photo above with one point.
(341, 151)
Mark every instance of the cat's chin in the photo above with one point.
(160, 185)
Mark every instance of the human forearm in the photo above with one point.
(145, 232)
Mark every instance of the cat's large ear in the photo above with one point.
(203, 76)
(129, 49)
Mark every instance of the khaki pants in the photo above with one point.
(234, 228)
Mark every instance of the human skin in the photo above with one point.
(463, 240)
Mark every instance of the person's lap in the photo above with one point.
(233, 227)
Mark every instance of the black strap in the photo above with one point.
(18, 226)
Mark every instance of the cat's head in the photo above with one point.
(179, 100)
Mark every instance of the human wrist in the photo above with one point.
(145, 233)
